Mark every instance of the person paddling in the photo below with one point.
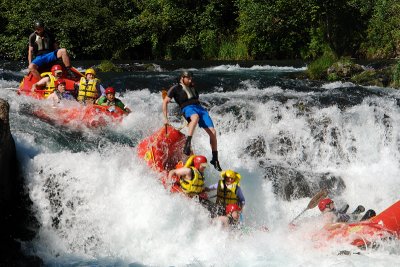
(187, 98)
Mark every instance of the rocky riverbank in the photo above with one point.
(16, 220)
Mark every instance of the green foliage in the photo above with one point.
(274, 29)
(107, 66)
(232, 50)
(317, 69)
(396, 75)
(383, 34)
(211, 29)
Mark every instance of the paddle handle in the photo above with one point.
(301, 213)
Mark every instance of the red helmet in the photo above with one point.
(110, 90)
(55, 69)
(60, 81)
(198, 160)
(231, 208)
(323, 203)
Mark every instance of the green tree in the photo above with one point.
(383, 35)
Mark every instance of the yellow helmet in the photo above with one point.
(231, 174)
(90, 71)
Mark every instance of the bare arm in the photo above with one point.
(185, 173)
(166, 100)
(41, 82)
(30, 54)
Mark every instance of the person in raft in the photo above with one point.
(89, 88)
(43, 50)
(187, 97)
(191, 175)
(59, 94)
(49, 79)
(337, 219)
(110, 100)
(228, 191)
(232, 217)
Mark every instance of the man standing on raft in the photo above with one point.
(187, 97)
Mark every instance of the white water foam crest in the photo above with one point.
(238, 68)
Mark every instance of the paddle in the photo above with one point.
(313, 202)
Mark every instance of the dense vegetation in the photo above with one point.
(209, 29)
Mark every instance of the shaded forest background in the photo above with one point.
(206, 29)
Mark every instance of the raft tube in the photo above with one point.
(163, 149)
(91, 116)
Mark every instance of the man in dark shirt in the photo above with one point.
(43, 49)
(186, 96)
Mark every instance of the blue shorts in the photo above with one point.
(45, 58)
(204, 120)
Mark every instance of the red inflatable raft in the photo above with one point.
(163, 151)
(91, 116)
(25, 87)
(385, 225)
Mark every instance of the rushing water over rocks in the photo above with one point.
(98, 203)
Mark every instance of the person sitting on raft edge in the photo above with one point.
(187, 97)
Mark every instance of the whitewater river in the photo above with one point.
(98, 204)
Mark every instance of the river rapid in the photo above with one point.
(98, 204)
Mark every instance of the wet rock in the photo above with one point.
(290, 183)
(16, 220)
(372, 77)
(343, 69)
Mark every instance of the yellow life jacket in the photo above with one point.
(194, 186)
(226, 194)
(87, 89)
(50, 86)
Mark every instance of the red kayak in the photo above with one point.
(385, 225)
(25, 87)
(76, 116)
(163, 151)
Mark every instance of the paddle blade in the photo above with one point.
(163, 93)
(317, 198)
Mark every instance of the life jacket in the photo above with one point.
(194, 186)
(185, 96)
(42, 44)
(226, 195)
(87, 89)
(50, 86)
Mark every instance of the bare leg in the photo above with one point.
(62, 53)
(213, 138)
(194, 119)
(33, 68)
(214, 148)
